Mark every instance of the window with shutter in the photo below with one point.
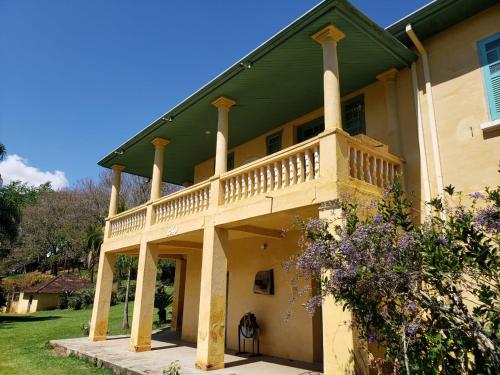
(489, 53)
(353, 115)
(273, 143)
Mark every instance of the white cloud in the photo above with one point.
(16, 168)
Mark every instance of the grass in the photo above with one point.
(24, 340)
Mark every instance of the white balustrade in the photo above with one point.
(274, 173)
(128, 222)
(372, 166)
(182, 203)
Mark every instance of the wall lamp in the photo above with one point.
(168, 119)
(120, 151)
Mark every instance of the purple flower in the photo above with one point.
(371, 337)
(489, 219)
(377, 218)
(412, 328)
(412, 306)
(476, 195)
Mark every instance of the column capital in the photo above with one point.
(328, 32)
(118, 167)
(388, 75)
(160, 142)
(224, 102)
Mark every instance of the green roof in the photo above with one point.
(437, 16)
(283, 83)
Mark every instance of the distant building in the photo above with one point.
(45, 296)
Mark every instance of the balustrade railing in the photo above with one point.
(128, 222)
(370, 165)
(182, 203)
(286, 168)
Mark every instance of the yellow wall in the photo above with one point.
(40, 302)
(291, 338)
(469, 157)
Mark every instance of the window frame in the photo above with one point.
(278, 134)
(360, 98)
(230, 161)
(483, 62)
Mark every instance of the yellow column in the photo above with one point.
(178, 301)
(114, 201)
(212, 311)
(142, 321)
(338, 344)
(157, 176)
(102, 298)
(328, 38)
(389, 80)
(223, 105)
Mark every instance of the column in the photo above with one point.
(102, 298)
(338, 343)
(223, 105)
(328, 38)
(157, 177)
(212, 310)
(142, 321)
(388, 78)
(114, 201)
(178, 300)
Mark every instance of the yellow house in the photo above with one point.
(331, 104)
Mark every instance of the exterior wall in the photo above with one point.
(469, 158)
(40, 302)
(297, 337)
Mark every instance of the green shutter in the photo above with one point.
(489, 55)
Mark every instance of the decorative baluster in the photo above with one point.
(361, 165)
(276, 176)
(269, 178)
(307, 163)
(255, 182)
(291, 166)
(249, 184)
(354, 163)
(369, 161)
(243, 186)
(237, 189)
(284, 173)
(262, 181)
(231, 189)
(226, 191)
(316, 161)
(300, 169)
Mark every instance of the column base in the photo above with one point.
(209, 367)
(140, 348)
(97, 338)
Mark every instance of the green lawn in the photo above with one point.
(24, 340)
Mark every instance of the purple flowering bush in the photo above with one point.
(428, 293)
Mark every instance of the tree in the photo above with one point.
(125, 264)
(95, 237)
(408, 285)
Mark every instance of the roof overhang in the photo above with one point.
(277, 82)
(437, 16)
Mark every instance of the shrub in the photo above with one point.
(173, 369)
(63, 301)
(85, 327)
(163, 299)
(408, 285)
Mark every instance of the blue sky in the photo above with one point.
(79, 77)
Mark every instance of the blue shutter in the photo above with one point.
(489, 52)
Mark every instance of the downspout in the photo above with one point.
(424, 172)
(430, 106)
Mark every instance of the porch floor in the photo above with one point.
(166, 348)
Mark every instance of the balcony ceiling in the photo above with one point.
(283, 83)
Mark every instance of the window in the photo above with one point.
(489, 56)
(230, 161)
(353, 115)
(273, 143)
(310, 129)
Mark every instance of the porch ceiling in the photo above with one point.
(283, 83)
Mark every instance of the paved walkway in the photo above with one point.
(166, 348)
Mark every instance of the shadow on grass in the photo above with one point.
(6, 321)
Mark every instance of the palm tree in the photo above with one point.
(125, 263)
(3, 151)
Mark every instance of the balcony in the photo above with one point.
(288, 177)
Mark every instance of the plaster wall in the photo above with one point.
(469, 157)
(40, 302)
(287, 330)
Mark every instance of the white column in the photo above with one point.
(223, 105)
(328, 38)
(388, 78)
(114, 201)
(157, 176)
